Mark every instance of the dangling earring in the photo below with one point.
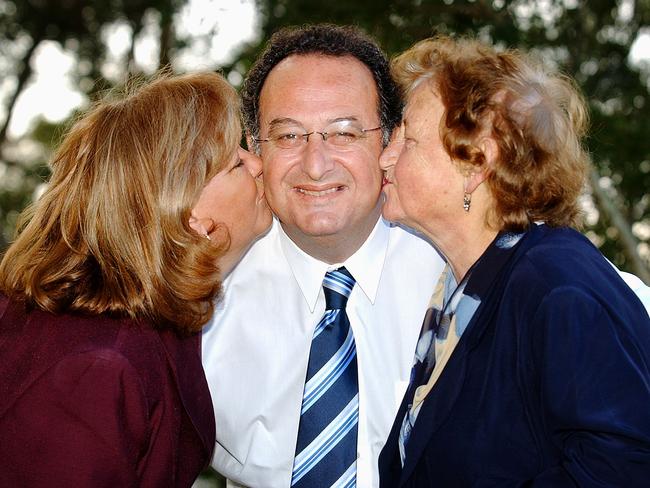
(467, 201)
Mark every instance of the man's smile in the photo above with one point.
(315, 192)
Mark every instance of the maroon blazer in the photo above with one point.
(97, 401)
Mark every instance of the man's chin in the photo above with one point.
(316, 228)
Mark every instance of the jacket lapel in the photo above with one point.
(390, 466)
(436, 408)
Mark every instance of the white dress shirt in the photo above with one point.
(638, 287)
(256, 348)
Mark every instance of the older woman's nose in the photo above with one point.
(391, 153)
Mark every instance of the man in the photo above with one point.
(309, 85)
(319, 105)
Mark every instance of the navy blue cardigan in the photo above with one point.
(548, 386)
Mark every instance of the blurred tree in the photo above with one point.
(590, 41)
(23, 171)
(79, 27)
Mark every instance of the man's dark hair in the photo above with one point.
(329, 40)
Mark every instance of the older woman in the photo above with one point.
(532, 367)
(114, 272)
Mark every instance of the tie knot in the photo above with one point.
(337, 286)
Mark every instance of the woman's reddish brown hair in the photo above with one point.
(536, 117)
(111, 232)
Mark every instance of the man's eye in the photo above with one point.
(343, 137)
(289, 136)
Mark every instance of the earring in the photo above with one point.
(467, 201)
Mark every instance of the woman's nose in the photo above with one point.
(252, 162)
(391, 153)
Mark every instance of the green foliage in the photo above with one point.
(22, 180)
(19, 187)
(590, 41)
(76, 25)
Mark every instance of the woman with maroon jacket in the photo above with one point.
(112, 276)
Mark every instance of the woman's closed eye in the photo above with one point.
(409, 142)
(238, 164)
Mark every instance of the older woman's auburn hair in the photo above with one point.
(536, 117)
(111, 232)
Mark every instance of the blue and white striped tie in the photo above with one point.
(326, 451)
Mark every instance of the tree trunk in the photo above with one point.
(166, 38)
(617, 219)
(130, 56)
(24, 73)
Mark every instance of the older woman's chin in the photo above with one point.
(392, 213)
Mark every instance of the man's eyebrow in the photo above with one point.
(347, 118)
(283, 121)
(280, 121)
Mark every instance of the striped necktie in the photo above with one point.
(326, 450)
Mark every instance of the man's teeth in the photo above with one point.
(317, 193)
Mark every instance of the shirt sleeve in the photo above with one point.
(83, 423)
(595, 391)
(639, 288)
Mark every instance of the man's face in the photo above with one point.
(319, 191)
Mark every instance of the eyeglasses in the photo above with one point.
(337, 136)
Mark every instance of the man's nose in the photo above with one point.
(316, 158)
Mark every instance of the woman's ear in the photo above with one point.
(478, 175)
(201, 226)
(474, 179)
(490, 150)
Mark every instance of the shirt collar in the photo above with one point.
(365, 264)
(489, 265)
